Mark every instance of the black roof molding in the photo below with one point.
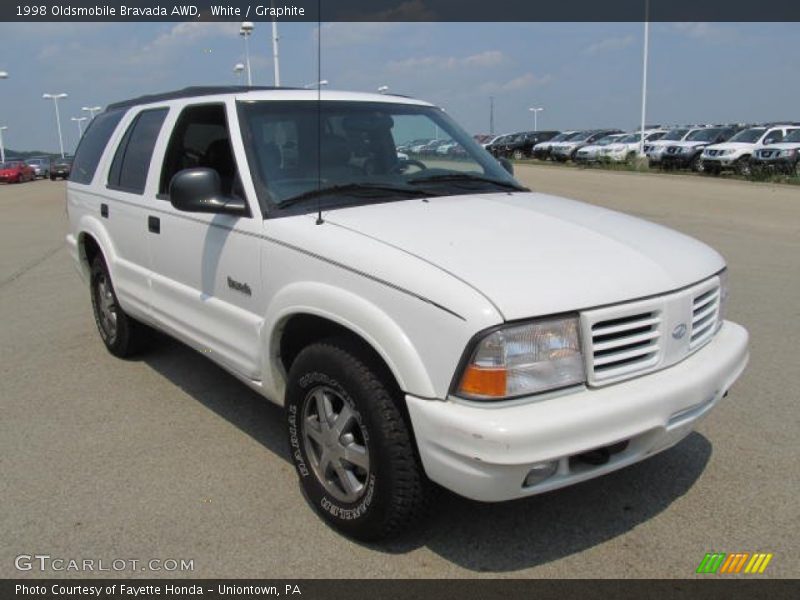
(191, 92)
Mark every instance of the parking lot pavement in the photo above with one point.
(166, 456)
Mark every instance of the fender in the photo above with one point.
(352, 312)
(89, 224)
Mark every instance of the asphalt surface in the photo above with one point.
(168, 457)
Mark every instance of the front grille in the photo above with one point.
(625, 345)
(705, 315)
(672, 150)
(622, 341)
(712, 152)
(765, 153)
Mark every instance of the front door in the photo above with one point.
(206, 286)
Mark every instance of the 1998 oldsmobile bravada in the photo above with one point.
(422, 319)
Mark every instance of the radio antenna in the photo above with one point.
(319, 111)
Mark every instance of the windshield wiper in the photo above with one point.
(354, 188)
(468, 178)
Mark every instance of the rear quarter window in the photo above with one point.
(132, 159)
(92, 145)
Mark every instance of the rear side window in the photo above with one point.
(92, 145)
(132, 160)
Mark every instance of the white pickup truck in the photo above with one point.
(423, 321)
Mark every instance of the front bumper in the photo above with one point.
(484, 451)
(779, 165)
(677, 161)
(720, 162)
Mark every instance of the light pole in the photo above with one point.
(383, 89)
(238, 69)
(79, 121)
(55, 98)
(491, 115)
(644, 72)
(92, 109)
(275, 60)
(535, 110)
(246, 30)
(316, 84)
(2, 145)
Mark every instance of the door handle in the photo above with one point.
(154, 224)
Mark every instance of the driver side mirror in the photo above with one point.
(200, 190)
(506, 164)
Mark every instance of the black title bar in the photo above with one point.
(709, 588)
(404, 10)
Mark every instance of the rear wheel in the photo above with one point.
(122, 334)
(518, 154)
(350, 445)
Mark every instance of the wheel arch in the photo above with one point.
(307, 312)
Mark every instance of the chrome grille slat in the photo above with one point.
(705, 312)
(624, 355)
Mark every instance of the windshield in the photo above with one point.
(609, 139)
(748, 136)
(561, 137)
(794, 136)
(630, 138)
(11, 164)
(703, 135)
(333, 154)
(675, 135)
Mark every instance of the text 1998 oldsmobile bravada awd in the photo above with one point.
(422, 320)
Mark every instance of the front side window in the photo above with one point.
(332, 154)
(201, 139)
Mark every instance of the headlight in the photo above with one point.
(787, 153)
(686, 150)
(518, 360)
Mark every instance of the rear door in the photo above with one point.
(206, 282)
(125, 203)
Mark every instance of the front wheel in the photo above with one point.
(744, 167)
(350, 445)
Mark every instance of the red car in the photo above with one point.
(16, 171)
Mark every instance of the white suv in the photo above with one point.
(421, 320)
(737, 152)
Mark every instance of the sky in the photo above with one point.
(583, 74)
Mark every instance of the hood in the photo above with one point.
(10, 171)
(534, 254)
(783, 146)
(732, 146)
(688, 144)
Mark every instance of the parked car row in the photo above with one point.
(18, 170)
(743, 149)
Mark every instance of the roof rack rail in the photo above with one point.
(189, 92)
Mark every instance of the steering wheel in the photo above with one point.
(404, 163)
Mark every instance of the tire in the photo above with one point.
(518, 155)
(122, 335)
(386, 490)
(743, 167)
(696, 164)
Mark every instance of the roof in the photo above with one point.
(192, 92)
(298, 93)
